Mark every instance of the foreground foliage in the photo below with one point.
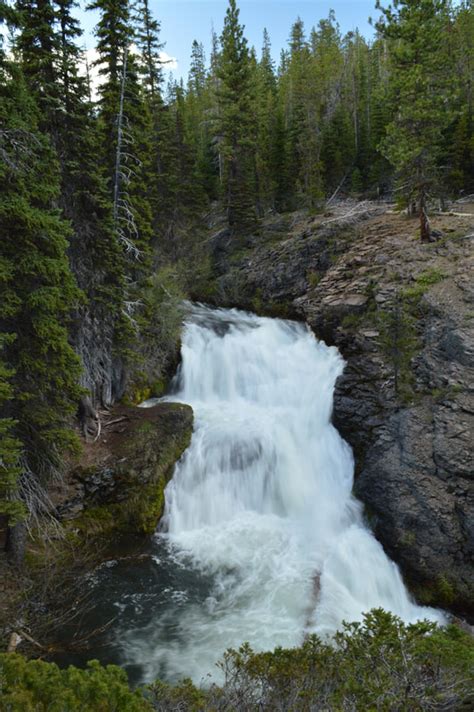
(379, 664)
(33, 685)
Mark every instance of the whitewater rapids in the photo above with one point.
(261, 506)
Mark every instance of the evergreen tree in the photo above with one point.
(236, 117)
(125, 123)
(198, 118)
(47, 48)
(292, 90)
(39, 368)
(459, 139)
(379, 172)
(266, 127)
(421, 73)
(11, 509)
(114, 34)
(37, 48)
(197, 70)
(147, 38)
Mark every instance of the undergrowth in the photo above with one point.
(377, 664)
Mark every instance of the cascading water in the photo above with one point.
(260, 507)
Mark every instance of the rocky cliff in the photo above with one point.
(402, 314)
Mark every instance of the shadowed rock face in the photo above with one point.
(414, 447)
(415, 457)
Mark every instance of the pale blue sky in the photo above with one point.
(182, 21)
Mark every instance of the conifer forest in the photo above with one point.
(258, 184)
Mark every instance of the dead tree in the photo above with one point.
(89, 419)
(123, 213)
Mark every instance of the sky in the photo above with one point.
(182, 21)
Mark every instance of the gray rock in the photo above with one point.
(414, 455)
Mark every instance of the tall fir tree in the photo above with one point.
(421, 73)
(125, 124)
(236, 101)
(147, 39)
(37, 46)
(459, 139)
(11, 509)
(38, 294)
(266, 127)
(94, 252)
(46, 46)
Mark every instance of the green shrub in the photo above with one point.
(400, 343)
(37, 686)
(377, 664)
(423, 282)
(313, 278)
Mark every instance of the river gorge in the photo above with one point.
(261, 539)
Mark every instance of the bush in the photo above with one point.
(37, 686)
(378, 664)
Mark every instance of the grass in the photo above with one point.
(423, 282)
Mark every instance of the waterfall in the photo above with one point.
(261, 505)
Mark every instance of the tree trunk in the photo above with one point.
(16, 544)
(425, 229)
(118, 152)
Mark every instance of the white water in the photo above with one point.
(262, 503)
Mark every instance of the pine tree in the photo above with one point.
(147, 38)
(125, 121)
(11, 510)
(235, 103)
(39, 369)
(198, 119)
(379, 174)
(420, 75)
(292, 89)
(459, 139)
(37, 45)
(266, 126)
(197, 70)
(69, 54)
(114, 33)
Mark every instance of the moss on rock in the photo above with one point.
(124, 491)
(439, 592)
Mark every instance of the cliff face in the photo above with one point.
(402, 314)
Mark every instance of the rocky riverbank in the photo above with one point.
(109, 502)
(402, 314)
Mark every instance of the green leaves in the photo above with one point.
(378, 663)
(36, 686)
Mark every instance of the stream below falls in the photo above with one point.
(262, 540)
